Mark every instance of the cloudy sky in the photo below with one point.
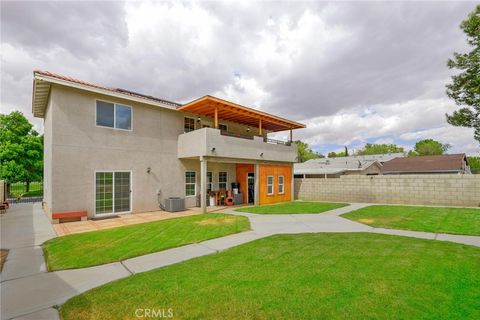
(353, 72)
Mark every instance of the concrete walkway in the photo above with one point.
(29, 292)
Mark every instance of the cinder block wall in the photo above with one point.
(434, 189)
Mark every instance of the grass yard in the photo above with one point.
(429, 219)
(305, 276)
(20, 188)
(100, 247)
(293, 207)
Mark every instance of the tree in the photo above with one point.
(474, 163)
(379, 149)
(332, 154)
(465, 86)
(346, 151)
(21, 149)
(304, 152)
(429, 147)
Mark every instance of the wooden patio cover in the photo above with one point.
(220, 109)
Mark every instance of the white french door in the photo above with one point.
(113, 192)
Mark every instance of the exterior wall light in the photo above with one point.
(149, 170)
(213, 149)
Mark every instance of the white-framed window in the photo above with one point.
(209, 181)
(113, 115)
(270, 188)
(188, 124)
(190, 183)
(112, 192)
(281, 184)
(223, 127)
(222, 180)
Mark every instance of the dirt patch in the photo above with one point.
(366, 221)
(217, 221)
(3, 257)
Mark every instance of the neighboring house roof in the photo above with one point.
(333, 165)
(375, 157)
(427, 164)
(42, 81)
(229, 111)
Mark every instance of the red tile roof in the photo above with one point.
(426, 164)
(93, 85)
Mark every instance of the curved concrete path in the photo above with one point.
(29, 292)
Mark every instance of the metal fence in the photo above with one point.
(21, 192)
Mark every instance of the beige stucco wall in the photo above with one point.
(440, 189)
(75, 148)
(47, 158)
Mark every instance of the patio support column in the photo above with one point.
(291, 135)
(257, 184)
(216, 118)
(203, 184)
(260, 127)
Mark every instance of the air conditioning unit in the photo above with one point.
(174, 204)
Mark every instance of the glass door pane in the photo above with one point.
(122, 191)
(103, 192)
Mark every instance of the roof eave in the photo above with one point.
(52, 80)
(288, 124)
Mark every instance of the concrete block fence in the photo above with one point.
(431, 189)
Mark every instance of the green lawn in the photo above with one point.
(429, 219)
(20, 188)
(100, 247)
(306, 276)
(293, 207)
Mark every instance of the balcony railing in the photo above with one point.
(214, 143)
(273, 141)
(236, 135)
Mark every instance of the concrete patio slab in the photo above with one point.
(29, 294)
(25, 225)
(46, 314)
(166, 257)
(405, 233)
(233, 240)
(470, 240)
(22, 262)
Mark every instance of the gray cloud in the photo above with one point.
(84, 29)
(307, 61)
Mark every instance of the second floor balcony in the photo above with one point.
(215, 143)
(249, 141)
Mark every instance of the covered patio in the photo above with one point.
(260, 150)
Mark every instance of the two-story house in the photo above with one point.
(110, 151)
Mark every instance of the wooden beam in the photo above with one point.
(260, 127)
(216, 117)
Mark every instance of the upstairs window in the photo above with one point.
(112, 115)
(189, 124)
(281, 184)
(269, 185)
